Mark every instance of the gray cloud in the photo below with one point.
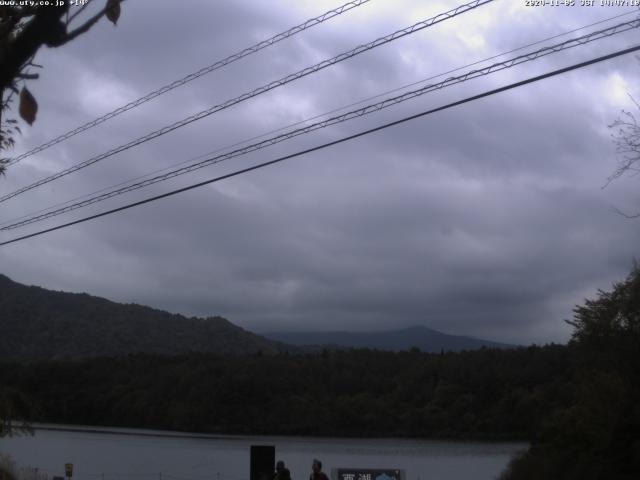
(487, 219)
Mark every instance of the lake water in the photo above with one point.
(127, 454)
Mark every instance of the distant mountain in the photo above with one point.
(38, 324)
(426, 339)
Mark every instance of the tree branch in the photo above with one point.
(43, 28)
(78, 12)
(28, 76)
(625, 215)
(88, 24)
(84, 27)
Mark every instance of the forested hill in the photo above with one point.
(426, 339)
(39, 324)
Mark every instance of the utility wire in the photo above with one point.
(334, 142)
(265, 88)
(496, 67)
(312, 22)
(315, 117)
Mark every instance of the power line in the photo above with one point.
(301, 122)
(334, 142)
(334, 120)
(263, 89)
(312, 22)
(496, 67)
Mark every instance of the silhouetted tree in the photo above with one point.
(598, 436)
(23, 30)
(16, 407)
(626, 136)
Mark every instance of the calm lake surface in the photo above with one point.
(119, 454)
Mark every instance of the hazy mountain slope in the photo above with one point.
(39, 324)
(424, 338)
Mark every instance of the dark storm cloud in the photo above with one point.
(487, 219)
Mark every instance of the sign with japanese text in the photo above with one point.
(367, 474)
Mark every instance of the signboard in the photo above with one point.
(367, 474)
(68, 469)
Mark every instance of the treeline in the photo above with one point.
(597, 436)
(476, 394)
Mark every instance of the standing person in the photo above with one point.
(316, 471)
(282, 472)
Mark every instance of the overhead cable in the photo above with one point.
(265, 88)
(308, 119)
(496, 67)
(312, 22)
(332, 143)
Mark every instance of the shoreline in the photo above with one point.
(145, 432)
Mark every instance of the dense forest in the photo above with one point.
(485, 393)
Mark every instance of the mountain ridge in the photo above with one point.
(38, 324)
(406, 338)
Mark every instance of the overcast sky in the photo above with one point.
(487, 219)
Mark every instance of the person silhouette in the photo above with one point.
(282, 472)
(316, 471)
